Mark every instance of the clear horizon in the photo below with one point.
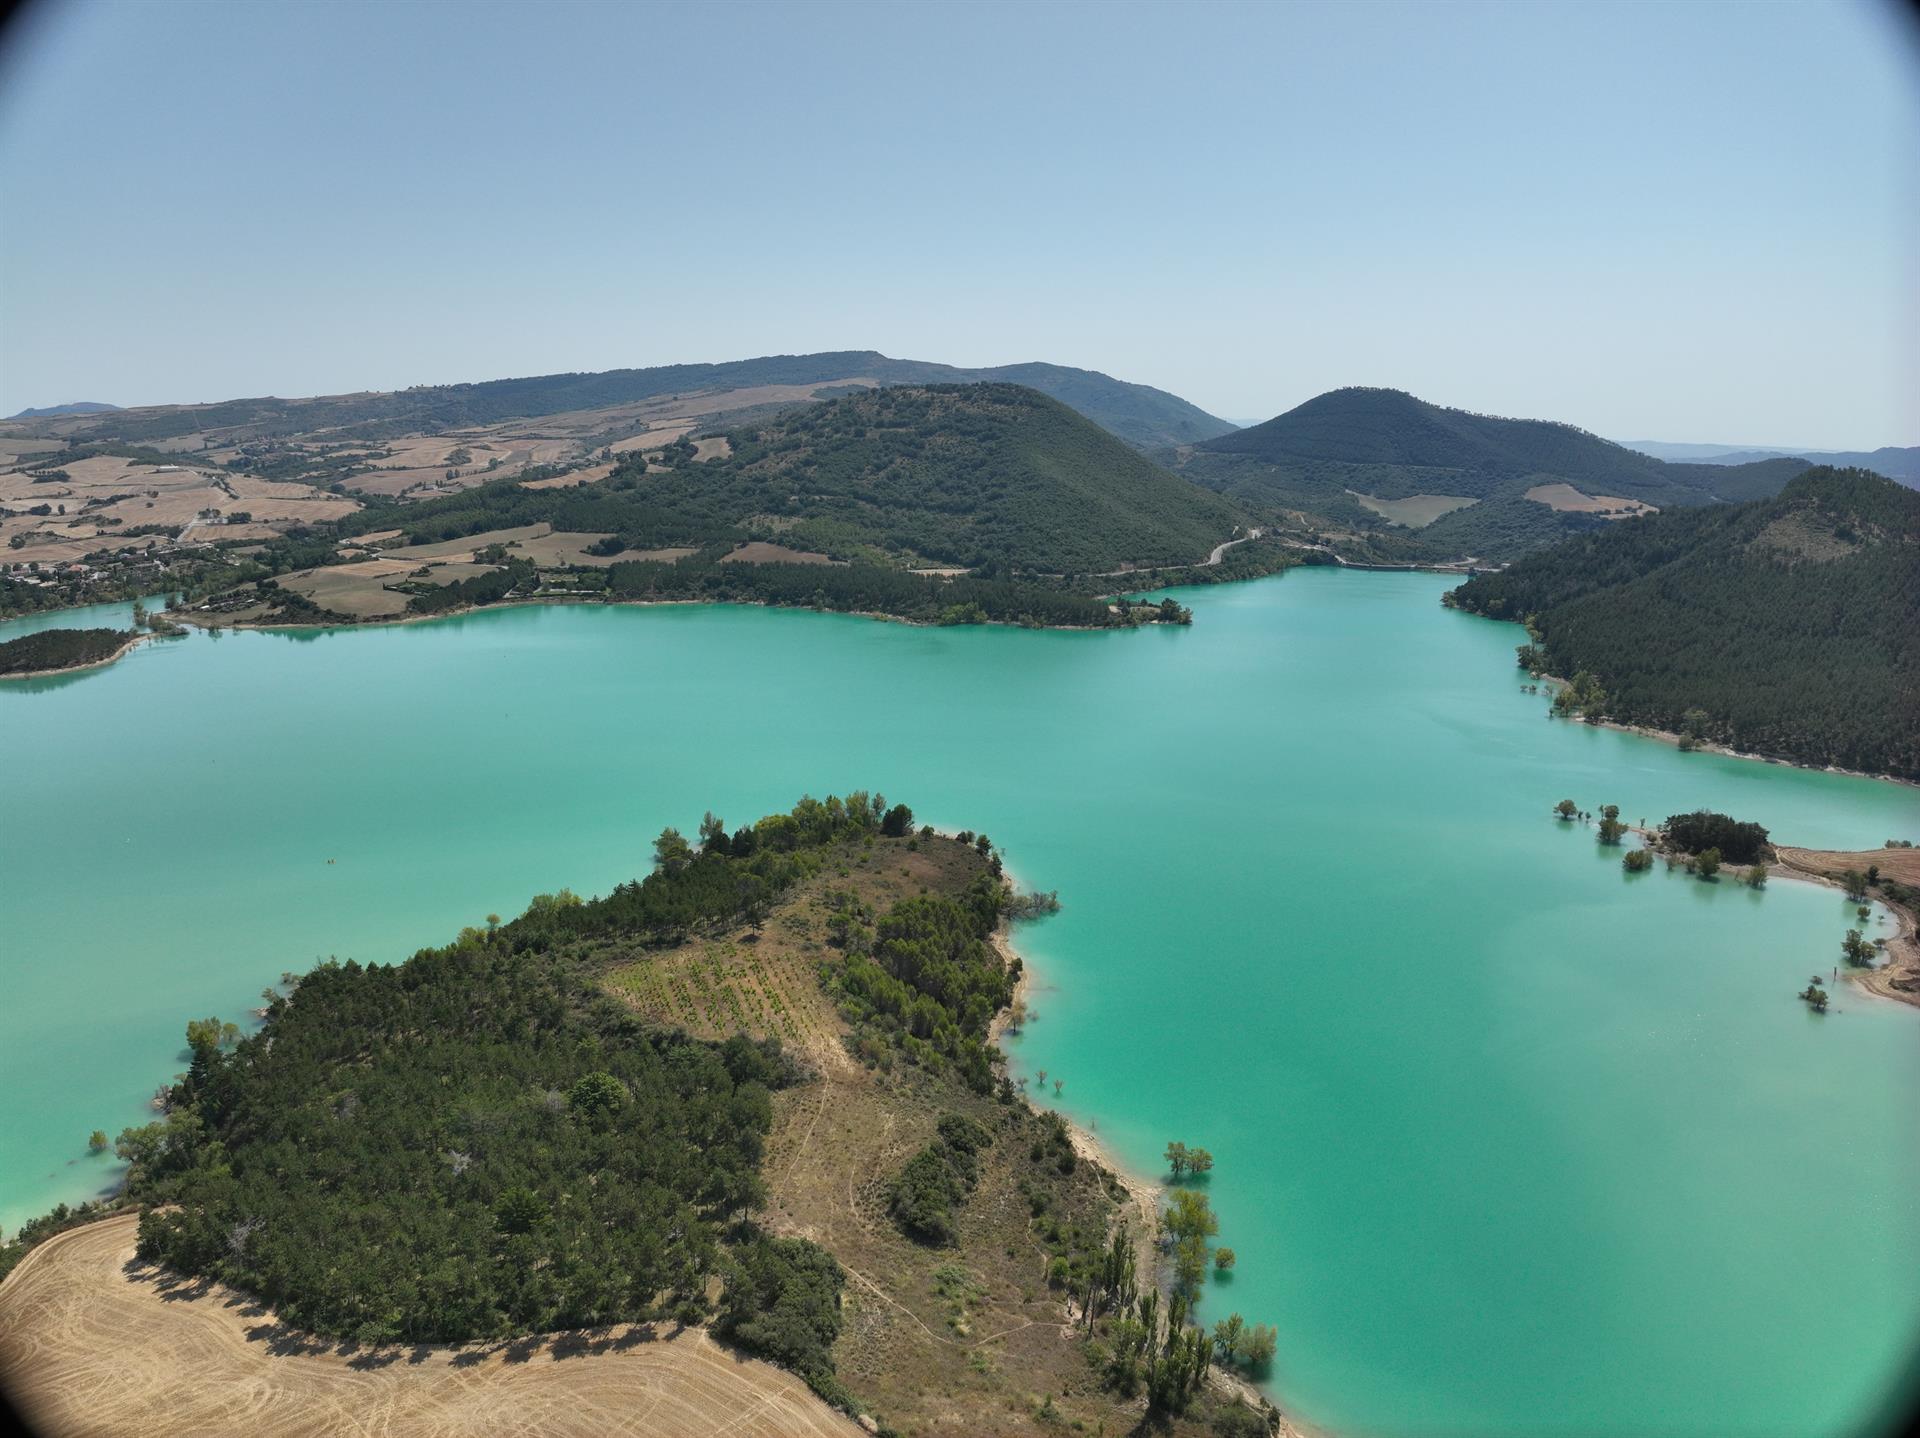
(1663, 223)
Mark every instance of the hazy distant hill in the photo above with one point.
(82, 406)
(1792, 622)
(1358, 456)
(1894, 461)
(994, 477)
(1137, 413)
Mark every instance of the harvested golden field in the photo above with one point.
(1416, 511)
(759, 551)
(466, 547)
(571, 478)
(553, 550)
(359, 589)
(93, 1342)
(650, 439)
(716, 446)
(1566, 498)
(1900, 864)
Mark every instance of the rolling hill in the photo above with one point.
(1137, 413)
(1355, 455)
(80, 406)
(1791, 623)
(993, 477)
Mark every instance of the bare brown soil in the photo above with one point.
(93, 1342)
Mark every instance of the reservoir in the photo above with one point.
(1507, 1141)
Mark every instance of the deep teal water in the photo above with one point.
(1507, 1142)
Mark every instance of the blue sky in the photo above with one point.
(1676, 222)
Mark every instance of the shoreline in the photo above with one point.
(1704, 746)
(133, 642)
(1903, 946)
(544, 600)
(1142, 1205)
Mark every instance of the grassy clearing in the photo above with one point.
(1416, 511)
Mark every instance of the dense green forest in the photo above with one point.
(1787, 626)
(991, 477)
(1137, 413)
(1320, 456)
(60, 649)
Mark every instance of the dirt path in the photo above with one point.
(93, 1343)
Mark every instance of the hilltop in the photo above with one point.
(81, 406)
(1786, 626)
(1137, 413)
(1443, 483)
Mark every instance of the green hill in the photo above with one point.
(1792, 624)
(1351, 455)
(993, 477)
(1137, 413)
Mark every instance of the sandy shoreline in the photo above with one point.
(1903, 947)
(1142, 1206)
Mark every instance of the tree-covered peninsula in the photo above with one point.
(754, 1090)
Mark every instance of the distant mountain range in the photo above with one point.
(82, 406)
(1438, 482)
(1141, 415)
(1790, 623)
(1894, 461)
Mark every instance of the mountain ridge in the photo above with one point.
(1140, 414)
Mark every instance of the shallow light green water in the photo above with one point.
(1507, 1142)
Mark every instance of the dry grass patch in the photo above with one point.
(650, 439)
(1416, 511)
(759, 551)
(591, 474)
(1566, 499)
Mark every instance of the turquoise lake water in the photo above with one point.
(1508, 1142)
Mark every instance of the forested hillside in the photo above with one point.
(1138, 413)
(1787, 626)
(1354, 455)
(992, 477)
